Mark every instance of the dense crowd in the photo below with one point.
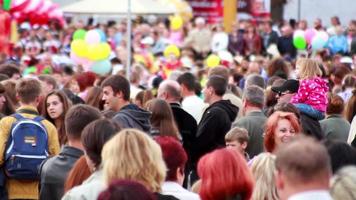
(202, 114)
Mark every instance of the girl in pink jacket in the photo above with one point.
(311, 98)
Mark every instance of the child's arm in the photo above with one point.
(302, 94)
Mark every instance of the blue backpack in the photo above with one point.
(27, 148)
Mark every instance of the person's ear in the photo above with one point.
(279, 180)
(244, 145)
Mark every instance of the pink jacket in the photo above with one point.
(312, 92)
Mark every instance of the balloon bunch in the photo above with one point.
(315, 39)
(91, 50)
(38, 12)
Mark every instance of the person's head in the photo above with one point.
(85, 80)
(95, 97)
(116, 92)
(253, 68)
(6, 105)
(336, 149)
(253, 97)
(77, 118)
(349, 81)
(187, 83)
(200, 22)
(174, 156)
(143, 97)
(219, 71)
(286, 91)
(263, 168)
(49, 83)
(255, 79)
(126, 190)
(56, 105)
(215, 88)
(278, 67)
(133, 155)
(343, 184)
(286, 107)
(350, 109)
(224, 174)
(335, 21)
(302, 165)
(11, 70)
(94, 136)
(169, 90)
(335, 104)
(307, 68)
(28, 91)
(78, 174)
(280, 128)
(162, 118)
(10, 90)
(338, 73)
(237, 139)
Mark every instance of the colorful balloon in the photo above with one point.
(309, 35)
(92, 37)
(171, 50)
(79, 34)
(79, 47)
(318, 43)
(299, 42)
(102, 67)
(98, 51)
(176, 22)
(102, 35)
(212, 61)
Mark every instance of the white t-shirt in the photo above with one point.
(195, 106)
(174, 189)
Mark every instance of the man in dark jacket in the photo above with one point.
(285, 43)
(116, 94)
(216, 120)
(54, 171)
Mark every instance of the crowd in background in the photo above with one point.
(161, 133)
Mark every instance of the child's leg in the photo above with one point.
(310, 111)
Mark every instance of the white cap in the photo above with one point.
(147, 40)
(346, 60)
(199, 20)
(25, 26)
(186, 62)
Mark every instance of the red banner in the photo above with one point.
(211, 10)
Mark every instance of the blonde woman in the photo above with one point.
(133, 155)
(262, 168)
(343, 184)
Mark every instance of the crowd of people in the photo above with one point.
(261, 124)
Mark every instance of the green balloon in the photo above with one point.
(79, 34)
(299, 42)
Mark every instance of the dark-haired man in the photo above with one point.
(216, 120)
(116, 94)
(55, 170)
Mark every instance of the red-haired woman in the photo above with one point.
(280, 128)
(225, 176)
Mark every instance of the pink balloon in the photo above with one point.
(92, 37)
(84, 62)
(309, 35)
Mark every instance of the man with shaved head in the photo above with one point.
(169, 91)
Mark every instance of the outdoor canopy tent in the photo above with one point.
(118, 7)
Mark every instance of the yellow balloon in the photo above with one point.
(79, 47)
(94, 52)
(171, 49)
(105, 50)
(176, 22)
(212, 61)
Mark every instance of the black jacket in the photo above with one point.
(215, 123)
(187, 125)
(286, 47)
(54, 172)
(131, 116)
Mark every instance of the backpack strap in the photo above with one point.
(38, 119)
(18, 116)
